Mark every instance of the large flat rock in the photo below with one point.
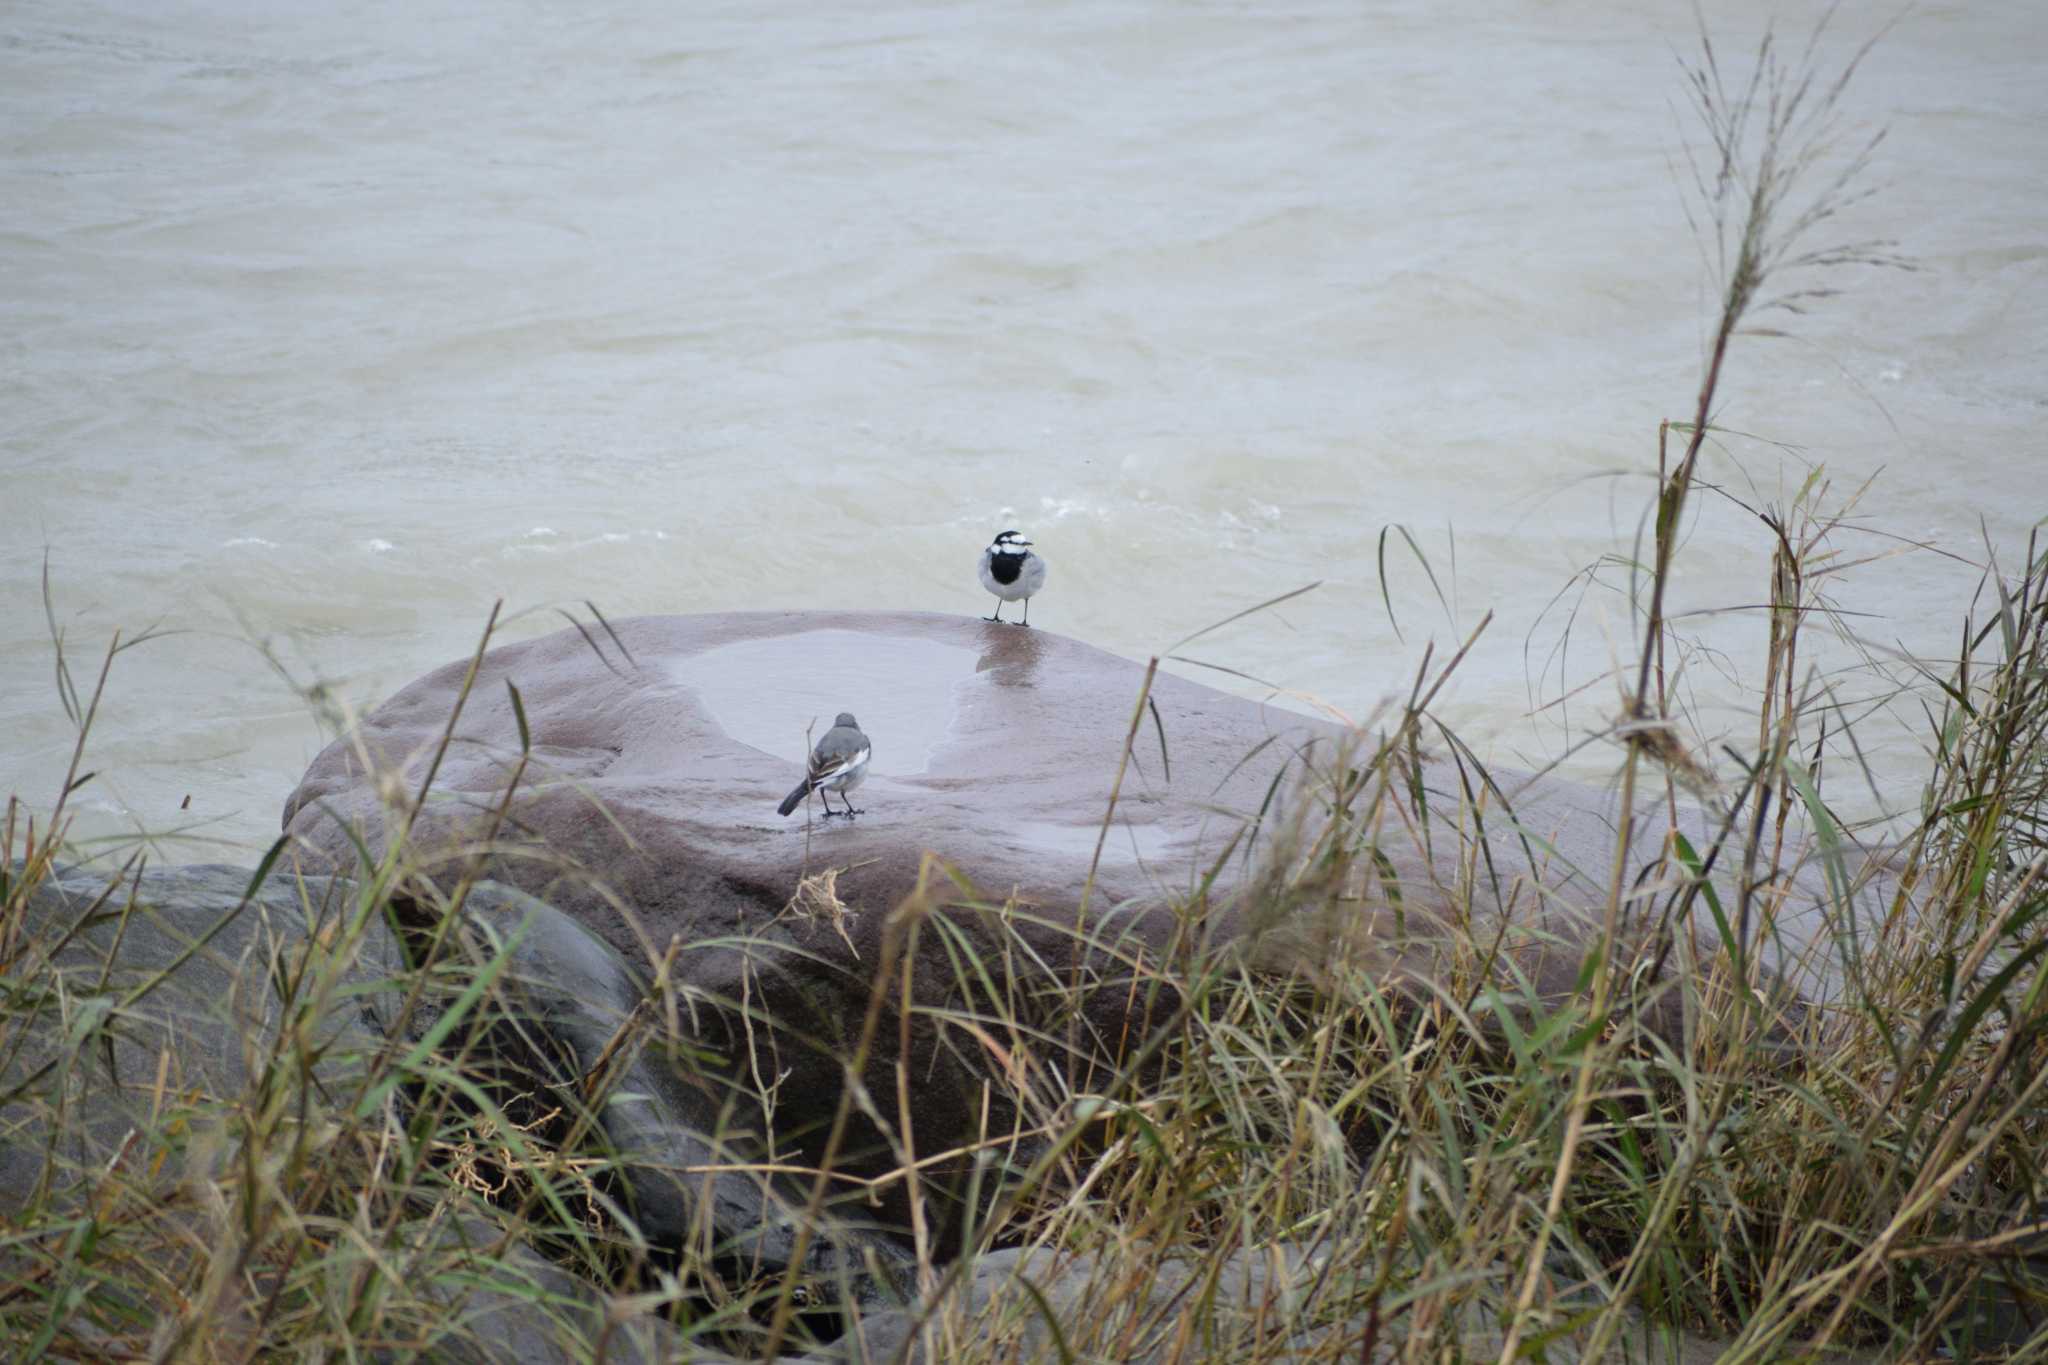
(994, 745)
(647, 811)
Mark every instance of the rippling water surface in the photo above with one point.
(327, 325)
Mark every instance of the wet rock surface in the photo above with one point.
(994, 744)
(658, 759)
(644, 815)
(645, 809)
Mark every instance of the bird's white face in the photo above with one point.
(1010, 543)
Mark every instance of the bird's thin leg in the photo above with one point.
(999, 612)
(1026, 622)
(826, 801)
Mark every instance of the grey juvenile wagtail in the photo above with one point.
(837, 765)
(1012, 572)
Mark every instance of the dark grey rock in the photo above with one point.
(1044, 1306)
(646, 789)
(215, 961)
(517, 1309)
(210, 1023)
(669, 1118)
(640, 818)
(647, 812)
(1037, 1301)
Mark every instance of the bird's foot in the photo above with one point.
(850, 812)
(997, 619)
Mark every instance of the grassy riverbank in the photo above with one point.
(1456, 1161)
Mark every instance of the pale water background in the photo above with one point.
(327, 324)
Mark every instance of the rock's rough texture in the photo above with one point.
(1251, 1303)
(213, 1013)
(576, 998)
(164, 998)
(1003, 766)
(519, 1309)
(995, 746)
(647, 811)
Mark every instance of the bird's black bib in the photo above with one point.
(1005, 568)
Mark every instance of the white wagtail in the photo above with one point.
(1011, 571)
(837, 765)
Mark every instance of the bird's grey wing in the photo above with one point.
(825, 765)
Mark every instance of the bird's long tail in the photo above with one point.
(795, 798)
